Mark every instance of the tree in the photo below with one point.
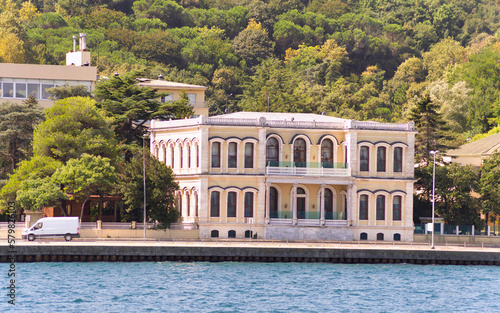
(490, 185)
(253, 44)
(68, 91)
(17, 123)
(131, 106)
(160, 190)
(35, 193)
(86, 176)
(75, 126)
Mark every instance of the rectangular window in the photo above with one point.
(381, 159)
(34, 90)
(231, 155)
(169, 97)
(363, 207)
(192, 98)
(8, 90)
(396, 208)
(398, 159)
(380, 208)
(45, 94)
(21, 90)
(249, 155)
(364, 159)
(216, 154)
(248, 204)
(231, 204)
(214, 204)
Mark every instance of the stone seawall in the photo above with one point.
(131, 252)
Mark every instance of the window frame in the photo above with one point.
(214, 157)
(364, 161)
(232, 204)
(381, 159)
(249, 157)
(398, 162)
(364, 210)
(380, 207)
(215, 203)
(232, 156)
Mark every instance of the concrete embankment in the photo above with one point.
(130, 251)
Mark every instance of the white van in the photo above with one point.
(66, 227)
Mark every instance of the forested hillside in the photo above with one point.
(355, 59)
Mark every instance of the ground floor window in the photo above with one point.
(380, 236)
(248, 234)
(231, 234)
(363, 236)
(214, 234)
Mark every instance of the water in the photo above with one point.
(252, 287)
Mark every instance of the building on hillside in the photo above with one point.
(19, 81)
(291, 176)
(195, 93)
(475, 152)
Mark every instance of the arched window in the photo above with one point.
(380, 236)
(164, 150)
(396, 208)
(363, 236)
(216, 154)
(214, 234)
(188, 204)
(299, 152)
(364, 159)
(380, 208)
(328, 204)
(381, 158)
(363, 207)
(231, 155)
(197, 155)
(249, 155)
(189, 156)
(272, 152)
(231, 234)
(231, 204)
(327, 153)
(248, 234)
(397, 237)
(248, 204)
(172, 156)
(273, 202)
(214, 204)
(301, 203)
(398, 159)
(181, 150)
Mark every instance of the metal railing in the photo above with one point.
(308, 169)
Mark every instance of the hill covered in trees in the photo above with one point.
(355, 59)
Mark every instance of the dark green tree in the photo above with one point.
(490, 185)
(68, 91)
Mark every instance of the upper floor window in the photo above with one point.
(216, 154)
(231, 155)
(272, 152)
(380, 208)
(328, 204)
(363, 207)
(181, 160)
(381, 159)
(299, 152)
(248, 204)
(396, 208)
(231, 204)
(249, 155)
(364, 158)
(172, 156)
(169, 97)
(327, 153)
(398, 159)
(192, 98)
(214, 204)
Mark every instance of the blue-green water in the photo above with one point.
(252, 287)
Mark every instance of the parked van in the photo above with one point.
(66, 227)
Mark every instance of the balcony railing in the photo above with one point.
(308, 169)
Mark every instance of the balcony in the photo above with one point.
(317, 169)
(308, 218)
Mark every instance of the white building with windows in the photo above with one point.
(291, 176)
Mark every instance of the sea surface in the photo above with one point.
(252, 287)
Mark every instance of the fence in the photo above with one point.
(466, 230)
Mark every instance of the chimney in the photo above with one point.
(83, 41)
(160, 77)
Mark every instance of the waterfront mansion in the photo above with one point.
(290, 176)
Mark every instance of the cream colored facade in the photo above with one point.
(291, 176)
(195, 93)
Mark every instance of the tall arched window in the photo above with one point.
(188, 203)
(273, 202)
(248, 204)
(364, 158)
(216, 154)
(363, 207)
(299, 152)
(249, 155)
(396, 208)
(398, 159)
(231, 155)
(189, 156)
(381, 159)
(272, 152)
(214, 204)
(380, 208)
(231, 204)
(329, 205)
(172, 156)
(181, 150)
(327, 153)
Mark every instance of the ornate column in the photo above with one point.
(294, 204)
(322, 205)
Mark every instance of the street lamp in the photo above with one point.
(433, 195)
(144, 177)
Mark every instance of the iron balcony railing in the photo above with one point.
(308, 169)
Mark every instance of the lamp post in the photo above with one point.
(144, 177)
(433, 195)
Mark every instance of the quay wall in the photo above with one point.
(133, 251)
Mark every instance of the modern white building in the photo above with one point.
(291, 176)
